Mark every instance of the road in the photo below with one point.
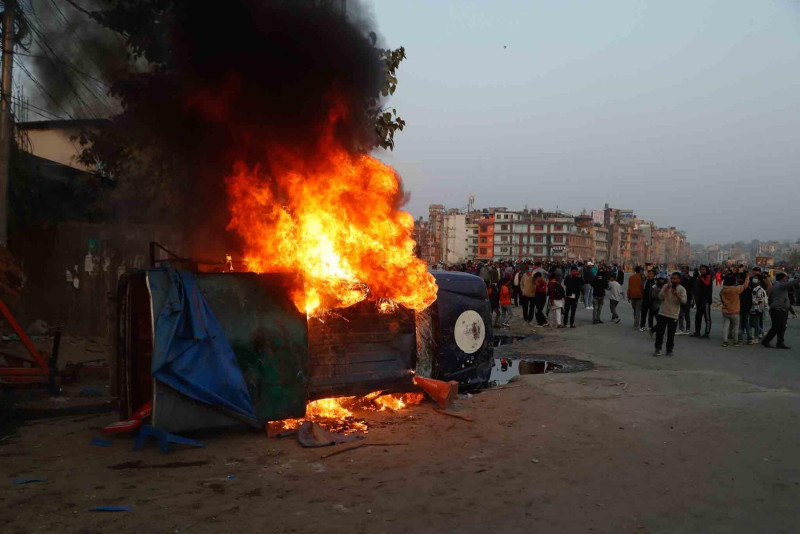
(705, 441)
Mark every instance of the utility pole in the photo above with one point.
(5, 115)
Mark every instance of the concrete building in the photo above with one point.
(456, 242)
(600, 244)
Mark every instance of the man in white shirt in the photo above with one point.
(614, 296)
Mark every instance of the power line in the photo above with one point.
(41, 88)
(42, 41)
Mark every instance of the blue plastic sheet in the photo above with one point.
(163, 438)
(191, 352)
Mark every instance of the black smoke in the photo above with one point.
(210, 84)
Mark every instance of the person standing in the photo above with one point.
(515, 288)
(555, 292)
(599, 288)
(527, 287)
(635, 294)
(614, 296)
(685, 317)
(507, 312)
(647, 302)
(588, 278)
(573, 284)
(729, 297)
(494, 301)
(779, 309)
(745, 306)
(540, 299)
(757, 310)
(703, 297)
(671, 295)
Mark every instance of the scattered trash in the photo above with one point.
(442, 392)
(20, 481)
(100, 442)
(112, 508)
(457, 416)
(58, 399)
(90, 392)
(534, 460)
(133, 423)
(231, 477)
(312, 435)
(341, 508)
(340, 451)
(163, 438)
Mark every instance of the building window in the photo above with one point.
(538, 228)
(558, 239)
(558, 228)
(537, 250)
(538, 239)
(504, 227)
(482, 251)
(484, 240)
(504, 238)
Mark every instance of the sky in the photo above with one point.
(686, 111)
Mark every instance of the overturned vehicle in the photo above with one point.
(219, 350)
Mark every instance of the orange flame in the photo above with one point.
(335, 218)
(337, 410)
(397, 401)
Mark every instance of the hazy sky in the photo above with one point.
(687, 111)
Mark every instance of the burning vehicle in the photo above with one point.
(270, 131)
(218, 350)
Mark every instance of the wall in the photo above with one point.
(96, 254)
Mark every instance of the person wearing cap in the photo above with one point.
(671, 295)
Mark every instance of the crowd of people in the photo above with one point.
(549, 295)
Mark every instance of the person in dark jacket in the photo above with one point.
(494, 300)
(574, 284)
(648, 317)
(779, 309)
(745, 306)
(599, 287)
(703, 286)
(541, 298)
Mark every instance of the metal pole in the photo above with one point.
(5, 115)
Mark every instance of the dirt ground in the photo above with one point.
(695, 443)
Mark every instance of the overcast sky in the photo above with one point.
(686, 111)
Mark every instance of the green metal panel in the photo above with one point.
(267, 333)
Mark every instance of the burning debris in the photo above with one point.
(337, 414)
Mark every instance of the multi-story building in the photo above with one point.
(609, 235)
(486, 238)
(472, 241)
(600, 243)
(580, 245)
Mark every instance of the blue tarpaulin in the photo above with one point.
(191, 353)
